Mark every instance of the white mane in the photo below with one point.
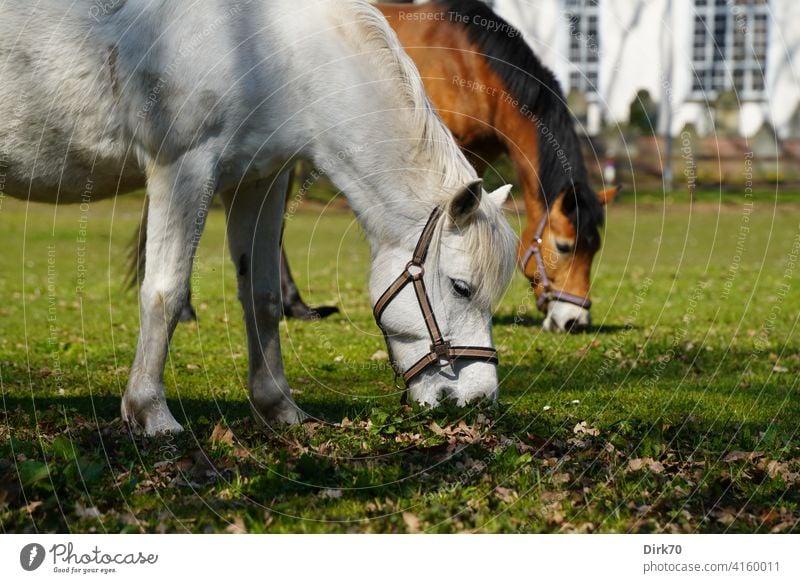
(489, 240)
(491, 245)
(380, 43)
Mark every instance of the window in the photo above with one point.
(729, 47)
(584, 45)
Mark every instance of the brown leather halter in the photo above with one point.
(550, 294)
(442, 353)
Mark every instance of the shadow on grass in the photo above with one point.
(105, 409)
(537, 321)
(318, 471)
(611, 328)
(511, 319)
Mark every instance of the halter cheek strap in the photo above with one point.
(549, 294)
(442, 353)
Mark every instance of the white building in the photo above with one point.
(683, 52)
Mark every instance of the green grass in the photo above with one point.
(679, 412)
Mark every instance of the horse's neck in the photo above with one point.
(383, 145)
(378, 160)
(520, 137)
(390, 187)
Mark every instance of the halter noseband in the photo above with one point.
(550, 294)
(441, 352)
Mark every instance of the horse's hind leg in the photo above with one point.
(179, 195)
(187, 313)
(293, 304)
(254, 214)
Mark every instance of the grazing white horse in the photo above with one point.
(197, 98)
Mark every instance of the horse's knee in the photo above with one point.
(266, 304)
(164, 295)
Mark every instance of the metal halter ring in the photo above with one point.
(420, 270)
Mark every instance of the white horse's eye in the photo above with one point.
(461, 288)
(564, 247)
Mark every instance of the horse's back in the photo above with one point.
(92, 92)
(60, 135)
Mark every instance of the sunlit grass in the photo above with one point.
(687, 385)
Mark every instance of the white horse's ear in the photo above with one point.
(466, 202)
(499, 196)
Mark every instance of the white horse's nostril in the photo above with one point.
(566, 317)
(575, 326)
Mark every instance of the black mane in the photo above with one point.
(535, 87)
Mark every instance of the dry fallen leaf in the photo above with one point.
(735, 456)
(412, 522)
(774, 467)
(436, 428)
(561, 478)
(726, 516)
(636, 464)
(221, 434)
(554, 515)
(82, 511)
(584, 428)
(237, 526)
(505, 494)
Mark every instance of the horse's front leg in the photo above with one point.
(179, 196)
(254, 214)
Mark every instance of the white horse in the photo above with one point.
(197, 98)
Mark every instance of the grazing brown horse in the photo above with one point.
(496, 97)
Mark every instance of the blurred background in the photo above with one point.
(675, 93)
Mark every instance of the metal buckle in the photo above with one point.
(442, 352)
(544, 300)
(396, 381)
(417, 272)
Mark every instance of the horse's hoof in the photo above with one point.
(303, 312)
(323, 312)
(286, 413)
(188, 314)
(150, 423)
(162, 427)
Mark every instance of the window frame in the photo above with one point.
(583, 71)
(719, 67)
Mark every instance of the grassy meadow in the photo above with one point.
(678, 412)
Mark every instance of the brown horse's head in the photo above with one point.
(556, 254)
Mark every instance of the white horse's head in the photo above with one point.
(469, 262)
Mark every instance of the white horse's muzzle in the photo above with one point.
(566, 317)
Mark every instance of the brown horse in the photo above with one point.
(497, 98)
